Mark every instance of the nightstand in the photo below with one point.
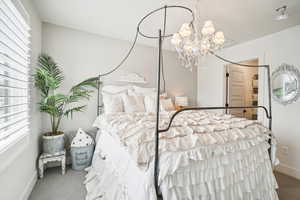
(56, 157)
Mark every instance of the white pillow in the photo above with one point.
(133, 103)
(112, 103)
(144, 91)
(167, 104)
(150, 104)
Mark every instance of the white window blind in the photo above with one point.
(14, 71)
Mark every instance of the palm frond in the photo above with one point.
(69, 112)
(81, 90)
(47, 64)
(78, 95)
(53, 105)
(88, 83)
(48, 76)
(41, 81)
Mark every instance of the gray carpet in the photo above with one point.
(55, 186)
(289, 188)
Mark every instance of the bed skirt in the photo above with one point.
(246, 175)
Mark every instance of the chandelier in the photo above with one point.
(192, 44)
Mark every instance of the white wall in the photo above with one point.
(82, 55)
(275, 49)
(18, 164)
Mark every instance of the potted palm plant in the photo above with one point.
(48, 78)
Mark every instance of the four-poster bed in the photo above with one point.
(159, 130)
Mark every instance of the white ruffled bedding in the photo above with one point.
(203, 156)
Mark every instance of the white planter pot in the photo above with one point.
(53, 144)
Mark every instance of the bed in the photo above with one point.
(204, 155)
(189, 154)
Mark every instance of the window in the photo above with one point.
(14, 72)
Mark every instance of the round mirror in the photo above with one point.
(286, 84)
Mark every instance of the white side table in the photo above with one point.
(57, 157)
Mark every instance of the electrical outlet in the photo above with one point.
(285, 150)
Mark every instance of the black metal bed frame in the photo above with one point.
(161, 35)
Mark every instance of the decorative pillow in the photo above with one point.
(167, 104)
(163, 95)
(112, 103)
(133, 103)
(82, 139)
(144, 91)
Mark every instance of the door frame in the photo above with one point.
(261, 88)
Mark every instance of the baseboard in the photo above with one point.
(29, 187)
(290, 171)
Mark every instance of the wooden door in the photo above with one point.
(236, 90)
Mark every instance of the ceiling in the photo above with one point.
(240, 20)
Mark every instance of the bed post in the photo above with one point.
(269, 96)
(156, 158)
(226, 92)
(98, 95)
(270, 109)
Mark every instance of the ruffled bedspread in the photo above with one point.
(204, 156)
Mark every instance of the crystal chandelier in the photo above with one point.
(191, 44)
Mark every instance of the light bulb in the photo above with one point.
(196, 46)
(195, 49)
(219, 38)
(176, 39)
(188, 46)
(185, 30)
(205, 44)
(208, 28)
